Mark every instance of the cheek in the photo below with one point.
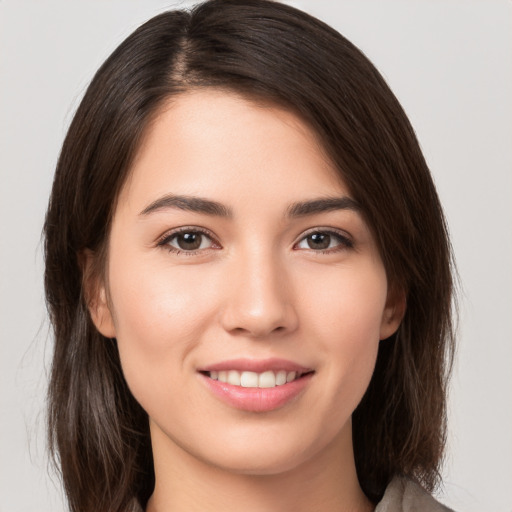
(155, 301)
(348, 304)
(159, 316)
(345, 318)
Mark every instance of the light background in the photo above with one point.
(450, 64)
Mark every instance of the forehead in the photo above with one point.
(216, 143)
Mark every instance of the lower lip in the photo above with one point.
(257, 399)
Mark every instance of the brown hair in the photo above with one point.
(262, 49)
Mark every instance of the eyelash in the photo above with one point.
(344, 241)
(166, 239)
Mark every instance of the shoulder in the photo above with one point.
(404, 495)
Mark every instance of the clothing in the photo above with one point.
(403, 495)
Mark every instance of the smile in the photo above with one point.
(256, 386)
(247, 379)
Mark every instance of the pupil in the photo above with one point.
(319, 241)
(189, 241)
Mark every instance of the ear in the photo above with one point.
(95, 294)
(394, 312)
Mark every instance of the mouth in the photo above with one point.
(257, 385)
(249, 379)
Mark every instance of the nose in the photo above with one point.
(260, 300)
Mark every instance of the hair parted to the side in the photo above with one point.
(272, 52)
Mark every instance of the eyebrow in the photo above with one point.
(304, 208)
(188, 203)
(209, 207)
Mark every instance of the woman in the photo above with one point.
(248, 274)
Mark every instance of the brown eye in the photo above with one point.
(319, 241)
(189, 241)
(325, 241)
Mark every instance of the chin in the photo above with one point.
(267, 453)
(272, 463)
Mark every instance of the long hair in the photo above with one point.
(98, 433)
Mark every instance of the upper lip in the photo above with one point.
(256, 365)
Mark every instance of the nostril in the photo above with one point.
(247, 315)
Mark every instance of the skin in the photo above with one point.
(255, 289)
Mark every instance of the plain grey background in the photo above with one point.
(450, 64)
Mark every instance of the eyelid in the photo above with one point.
(163, 240)
(347, 239)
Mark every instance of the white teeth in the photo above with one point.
(268, 379)
(249, 380)
(280, 377)
(234, 378)
(290, 376)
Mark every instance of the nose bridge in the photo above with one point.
(260, 301)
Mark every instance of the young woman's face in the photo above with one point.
(246, 292)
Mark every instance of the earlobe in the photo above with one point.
(101, 315)
(393, 313)
(95, 295)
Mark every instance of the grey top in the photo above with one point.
(403, 495)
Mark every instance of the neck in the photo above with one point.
(328, 482)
